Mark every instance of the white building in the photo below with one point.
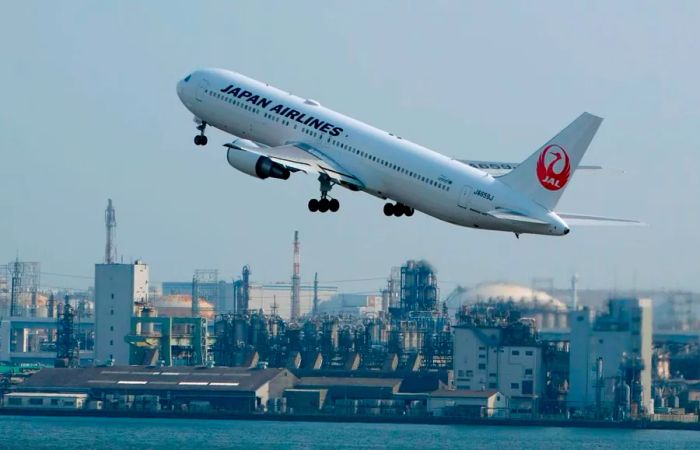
(467, 403)
(489, 358)
(119, 290)
(622, 339)
(45, 400)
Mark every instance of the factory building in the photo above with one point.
(506, 358)
(167, 341)
(610, 359)
(120, 291)
(184, 389)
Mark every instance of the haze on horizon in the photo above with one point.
(90, 112)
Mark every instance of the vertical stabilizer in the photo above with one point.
(546, 173)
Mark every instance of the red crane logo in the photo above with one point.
(553, 167)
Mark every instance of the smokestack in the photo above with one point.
(574, 292)
(111, 225)
(315, 311)
(195, 297)
(296, 280)
(245, 297)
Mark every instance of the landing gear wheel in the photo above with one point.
(398, 210)
(334, 205)
(409, 211)
(388, 209)
(313, 205)
(323, 205)
(201, 139)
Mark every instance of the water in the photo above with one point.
(82, 433)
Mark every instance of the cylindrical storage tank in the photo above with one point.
(42, 312)
(674, 401)
(551, 321)
(562, 320)
(239, 331)
(148, 328)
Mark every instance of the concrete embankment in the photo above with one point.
(428, 420)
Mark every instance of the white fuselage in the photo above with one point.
(387, 165)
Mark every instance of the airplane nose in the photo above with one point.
(180, 88)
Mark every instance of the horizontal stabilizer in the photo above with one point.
(498, 168)
(585, 220)
(506, 214)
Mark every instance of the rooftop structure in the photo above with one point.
(120, 291)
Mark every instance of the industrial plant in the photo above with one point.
(218, 345)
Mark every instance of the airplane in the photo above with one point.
(278, 133)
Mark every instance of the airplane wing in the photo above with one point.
(301, 157)
(497, 168)
(584, 220)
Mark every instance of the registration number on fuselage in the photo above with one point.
(483, 194)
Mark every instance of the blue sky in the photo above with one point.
(89, 111)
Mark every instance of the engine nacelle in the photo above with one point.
(255, 165)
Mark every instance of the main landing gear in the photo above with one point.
(398, 210)
(324, 204)
(201, 139)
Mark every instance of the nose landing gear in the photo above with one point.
(201, 139)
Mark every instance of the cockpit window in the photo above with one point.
(187, 78)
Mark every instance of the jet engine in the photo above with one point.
(256, 165)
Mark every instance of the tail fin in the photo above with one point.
(545, 174)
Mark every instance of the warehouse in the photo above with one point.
(220, 389)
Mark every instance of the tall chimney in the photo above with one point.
(296, 280)
(111, 225)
